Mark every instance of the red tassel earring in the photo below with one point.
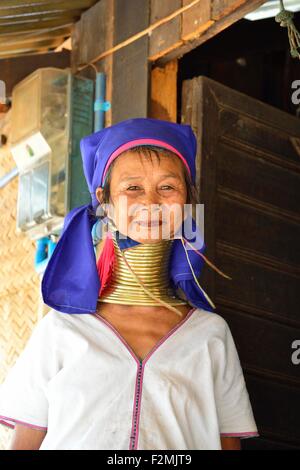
(106, 261)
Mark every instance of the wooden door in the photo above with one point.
(248, 169)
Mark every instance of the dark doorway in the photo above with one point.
(250, 56)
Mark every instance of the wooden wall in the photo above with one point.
(128, 42)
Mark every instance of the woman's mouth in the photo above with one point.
(153, 223)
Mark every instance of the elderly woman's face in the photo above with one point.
(147, 196)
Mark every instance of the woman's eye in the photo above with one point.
(133, 188)
(130, 187)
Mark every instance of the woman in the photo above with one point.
(141, 361)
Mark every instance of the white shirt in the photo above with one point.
(78, 379)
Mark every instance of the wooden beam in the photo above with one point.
(32, 4)
(189, 24)
(37, 16)
(39, 25)
(94, 32)
(215, 28)
(166, 36)
(163, 103)
(36, 7)
(196, 20)
(39, 20)
(93, 27)
(65, 44)
(25, 38)
(130, 76)
(4, 48)
(221, 8)
(31, 52)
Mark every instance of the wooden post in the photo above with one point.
(163, 103)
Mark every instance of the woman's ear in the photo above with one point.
(99, 194)
(100, 211)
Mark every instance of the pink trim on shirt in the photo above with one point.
(227, 434)
(7, 421)
(146, 359)
(135, 142)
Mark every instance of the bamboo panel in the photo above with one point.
(20, 300)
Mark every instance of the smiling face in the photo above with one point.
(147, 196)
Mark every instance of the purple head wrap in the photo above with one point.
(71, 282)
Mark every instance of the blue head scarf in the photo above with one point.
(71, 281)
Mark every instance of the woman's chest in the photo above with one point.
(141, 340)
(142, 334)
(102, 358)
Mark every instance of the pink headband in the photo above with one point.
(133, 143)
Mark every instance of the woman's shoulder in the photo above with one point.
(52, 316)
(72, 322)
(54, 319)
(211, 323)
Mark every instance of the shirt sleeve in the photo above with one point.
(233, 404)
(23, 394)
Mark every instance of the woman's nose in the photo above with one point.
(150, 197)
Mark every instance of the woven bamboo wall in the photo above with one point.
(20, 299)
